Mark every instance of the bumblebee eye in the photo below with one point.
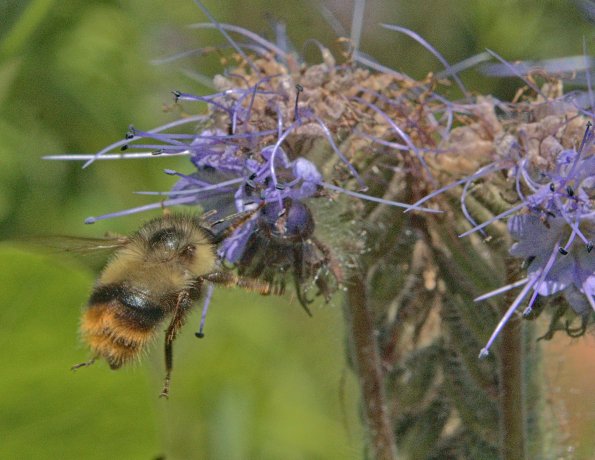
(168, 238)
(188, 251)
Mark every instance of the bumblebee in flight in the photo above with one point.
(155, 275)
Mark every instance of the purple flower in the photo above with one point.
(556, 233)
(572, 271)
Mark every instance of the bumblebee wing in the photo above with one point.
(80, 245)
(83, 245)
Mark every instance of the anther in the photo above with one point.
(299, 88)
(130, 133)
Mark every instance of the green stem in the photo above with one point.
(513, 409)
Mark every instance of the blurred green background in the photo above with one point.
(268, 382)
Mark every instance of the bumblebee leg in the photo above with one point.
(333, 264)
(170, 335)
(250, 284)
(298, 277)
(85, 364)
(237, 219)
(301, 295)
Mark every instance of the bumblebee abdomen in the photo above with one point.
(134, 307)
(119, 322)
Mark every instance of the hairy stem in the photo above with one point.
(513, 409)
(367, 364)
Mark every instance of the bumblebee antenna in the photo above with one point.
(203, 317)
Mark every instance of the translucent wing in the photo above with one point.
(79, 245)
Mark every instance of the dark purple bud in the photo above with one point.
(293, 221)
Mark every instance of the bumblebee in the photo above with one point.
(156, 274)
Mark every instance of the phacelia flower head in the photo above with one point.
(555, 232)
(560, 226)
(536, 166)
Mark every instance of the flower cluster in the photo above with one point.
(552, 220)
(555, 231)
